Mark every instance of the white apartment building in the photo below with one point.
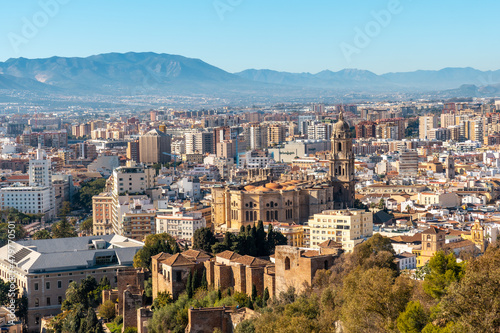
(130, 179)
(39, 196)
(346, 226)
(180, 224)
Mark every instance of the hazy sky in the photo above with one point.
(291, 35)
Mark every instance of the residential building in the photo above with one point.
(426, 123)
(348, 227)
(152, 147)
(180, 224)
(39, 196)
(102, 212)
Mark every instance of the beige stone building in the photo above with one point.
(44, 268)
(102, 210)
(291, 201)
(348, 227)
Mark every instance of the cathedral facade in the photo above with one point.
(292, 201)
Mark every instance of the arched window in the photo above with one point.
(37, 302)
(267, 215)
(287, 264)
(428, 237)
(428, 245)
(339, 146)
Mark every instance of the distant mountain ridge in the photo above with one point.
(124, 74)
(422, 80)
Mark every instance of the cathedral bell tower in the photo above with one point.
(341, 171)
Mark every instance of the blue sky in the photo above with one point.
(292, 35)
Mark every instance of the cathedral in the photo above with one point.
(293, 200)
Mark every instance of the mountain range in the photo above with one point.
(129, 74)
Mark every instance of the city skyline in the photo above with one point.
(379, 36)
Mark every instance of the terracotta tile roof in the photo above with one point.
(330, 244)
(161, 256)
(250, 261)
(177, 260)
(311, 253)
(228, 255)
(405, 255)
(417, 238)
(456, 245)
(431, 231)
(196, 254)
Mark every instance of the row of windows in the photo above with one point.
(48, 303)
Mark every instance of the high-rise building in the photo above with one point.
(276, 134)
(199, 142)
(319, 131)
(102, 212)
(128, 180)
(447, 120)
(426, 124)
(133, 150)
(365, 129)
(152, 147)
(408, 163)
(258, 137)
(303, 123)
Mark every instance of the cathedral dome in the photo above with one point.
(341, 126)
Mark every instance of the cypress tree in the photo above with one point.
(204, 282)
(189, 286)
(219, 294)
(265, 297)
(254, 292)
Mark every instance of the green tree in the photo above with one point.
(377, 251)
(472, 302)
(162, 299)
(83, 197)
(42, 234)
(265, 297)
(373, 299)
(443, 271)
(87, 226)
(153, 245)
(260, 240)
(381, 204)
(413, 319)
(254, 292)
(204, 282)
(19, 233)
(107, 310)
(203, 239)
(189, 286)
(63, 229)
(65, 209)
(130, 330)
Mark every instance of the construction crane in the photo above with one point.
(174, 156)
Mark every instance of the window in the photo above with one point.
(37, 302)
(36, 286)
(48, 301)
(59, 300)
(178, 276)
(59, 284)
(47, 285)
(287, 263)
